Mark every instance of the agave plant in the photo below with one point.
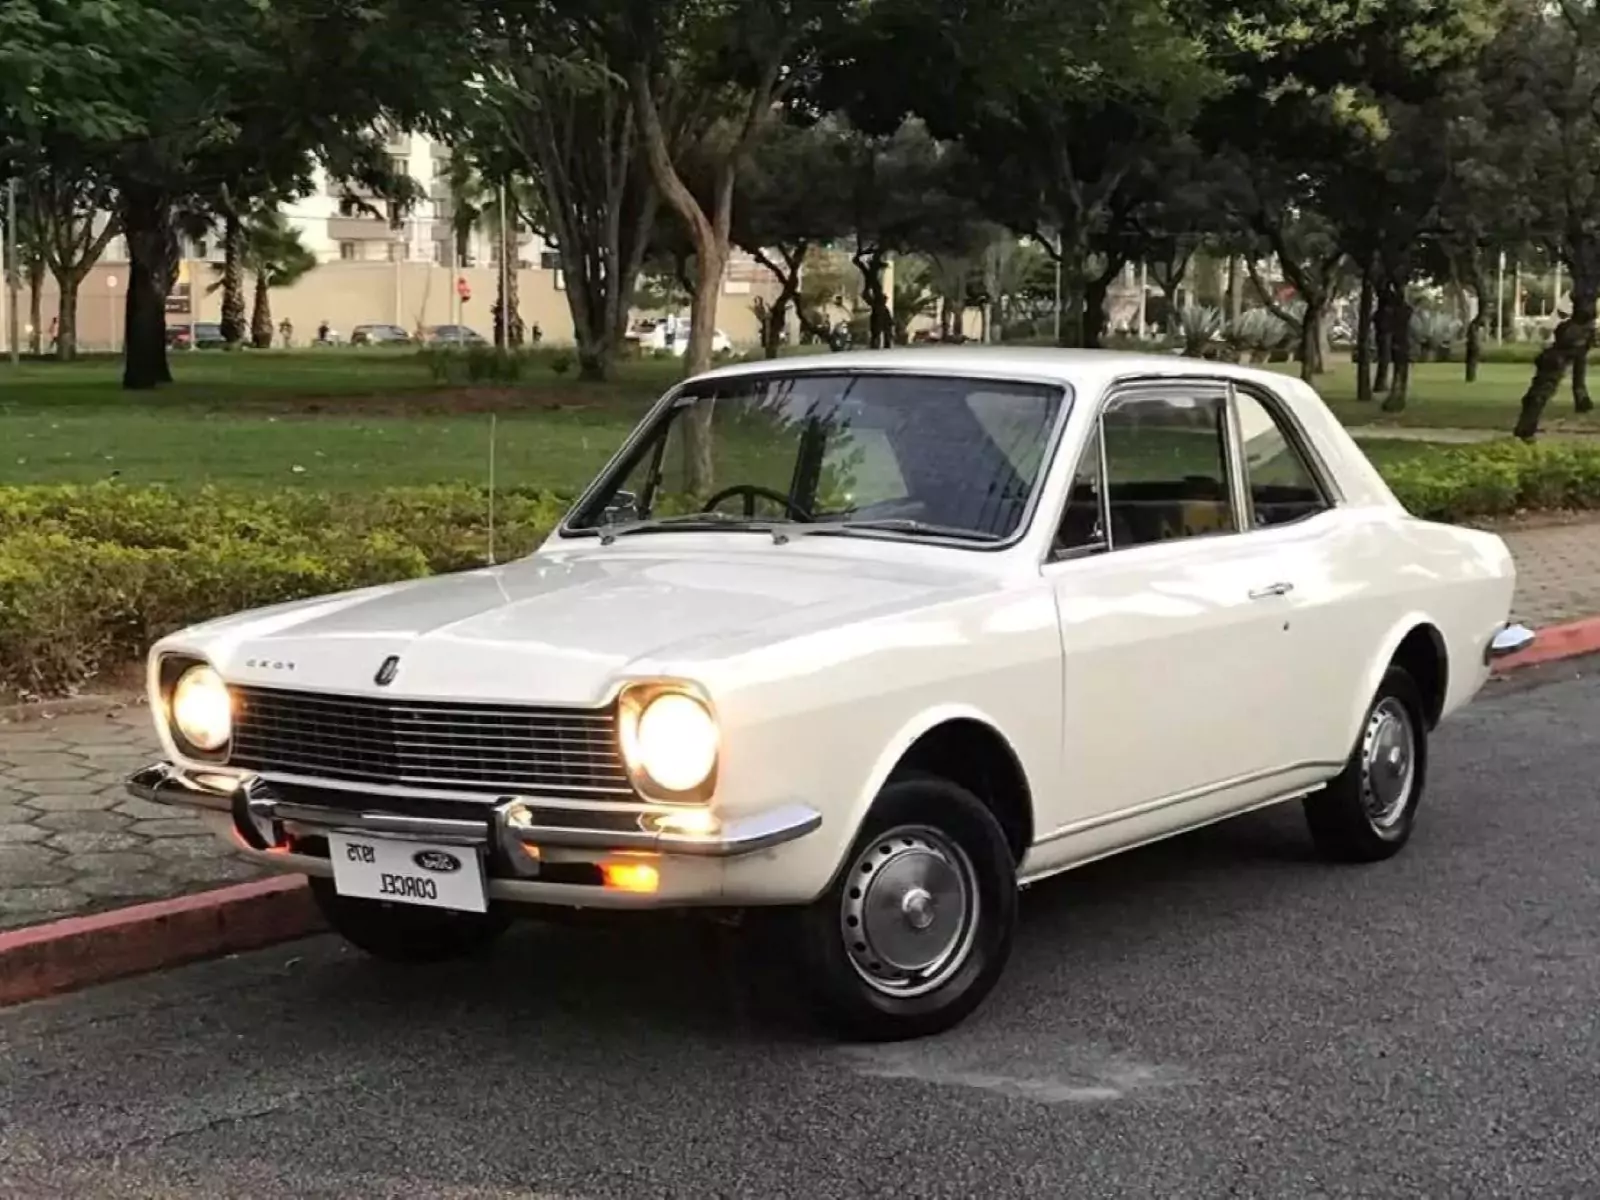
(1199, 324)
(1433, 333)
(1257, 333)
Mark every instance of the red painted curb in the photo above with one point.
(1567, 640)
(43, 960)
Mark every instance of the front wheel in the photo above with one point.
(916, 929)
(407, 933)
(1367, 812)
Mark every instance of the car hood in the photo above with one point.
(559, 627)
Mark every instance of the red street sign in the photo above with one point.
(462, 289)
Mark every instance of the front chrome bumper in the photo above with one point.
(518, 826)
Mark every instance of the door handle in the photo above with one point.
(1276, 589)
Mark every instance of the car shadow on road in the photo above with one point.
(689, 976)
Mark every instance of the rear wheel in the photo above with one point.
(916, 929)
(1368, 811)
(407, 933)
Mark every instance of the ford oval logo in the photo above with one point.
(387, 672)
(437, 861)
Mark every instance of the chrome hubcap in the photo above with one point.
(910, 910)
(1388, 763)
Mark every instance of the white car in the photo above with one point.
(940, 623)
(652, 336)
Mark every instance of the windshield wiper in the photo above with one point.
(906, 525)
(691, 521)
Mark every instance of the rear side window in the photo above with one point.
(1283, 486)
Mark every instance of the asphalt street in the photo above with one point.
(1218, 1016)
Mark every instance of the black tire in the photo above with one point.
(407, 933)
(947, 834)
(1354, 818)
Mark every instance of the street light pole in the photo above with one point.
(505, 273)
(1500, 302)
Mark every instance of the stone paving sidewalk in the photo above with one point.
(72, 841)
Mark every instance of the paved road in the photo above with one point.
(1220, 1016)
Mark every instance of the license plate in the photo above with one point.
(407, 872)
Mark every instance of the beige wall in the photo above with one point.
(347, 294)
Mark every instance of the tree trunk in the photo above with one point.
(1383, 344)
(1075, 282)
(152, 267)
(1581, 401)
(1474, 345)
(1363, 332)
(233, 327)
(880, 321)
(1310, 334)
(1474, 355)
(1556, 360)
(261, 314)
(36, 271)
(788, 276)
(1399, 350)
(70, 283)
(1095, 316)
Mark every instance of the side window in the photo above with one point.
(1083, 519)
(1166, 466)
(1283, 487)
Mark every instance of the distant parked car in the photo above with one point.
(379, 335)
(652, 336)
(453, 335)
(207, 335)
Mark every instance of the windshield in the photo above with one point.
(897, 455)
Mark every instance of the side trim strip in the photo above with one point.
(1200, 793)
(1111, 852)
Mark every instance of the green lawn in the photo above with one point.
(344, 419)
(1440, 398)
(354, 419)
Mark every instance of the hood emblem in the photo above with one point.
(387, 672)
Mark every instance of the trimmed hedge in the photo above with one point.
(1497, 479)
(90, 576)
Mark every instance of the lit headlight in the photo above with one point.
(669, 739)
(202, 711)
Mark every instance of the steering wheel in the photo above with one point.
(752, 491)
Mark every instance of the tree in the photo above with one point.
(243, 101)
(1303, 119)
(793, 196)
(69, 205)
(1054, 103)
(271, 250)
(901, 200)
(554, 106)
(726, 57)
(1541, 84)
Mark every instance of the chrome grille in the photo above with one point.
(490, 748)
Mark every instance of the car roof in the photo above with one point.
(1087, 370)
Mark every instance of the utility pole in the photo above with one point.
(13, 280)
(1144, 292)
(1500, 302)
(505, 272)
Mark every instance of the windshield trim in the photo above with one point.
(606, 477)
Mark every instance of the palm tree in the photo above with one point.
(273, 252)
(475, 204)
